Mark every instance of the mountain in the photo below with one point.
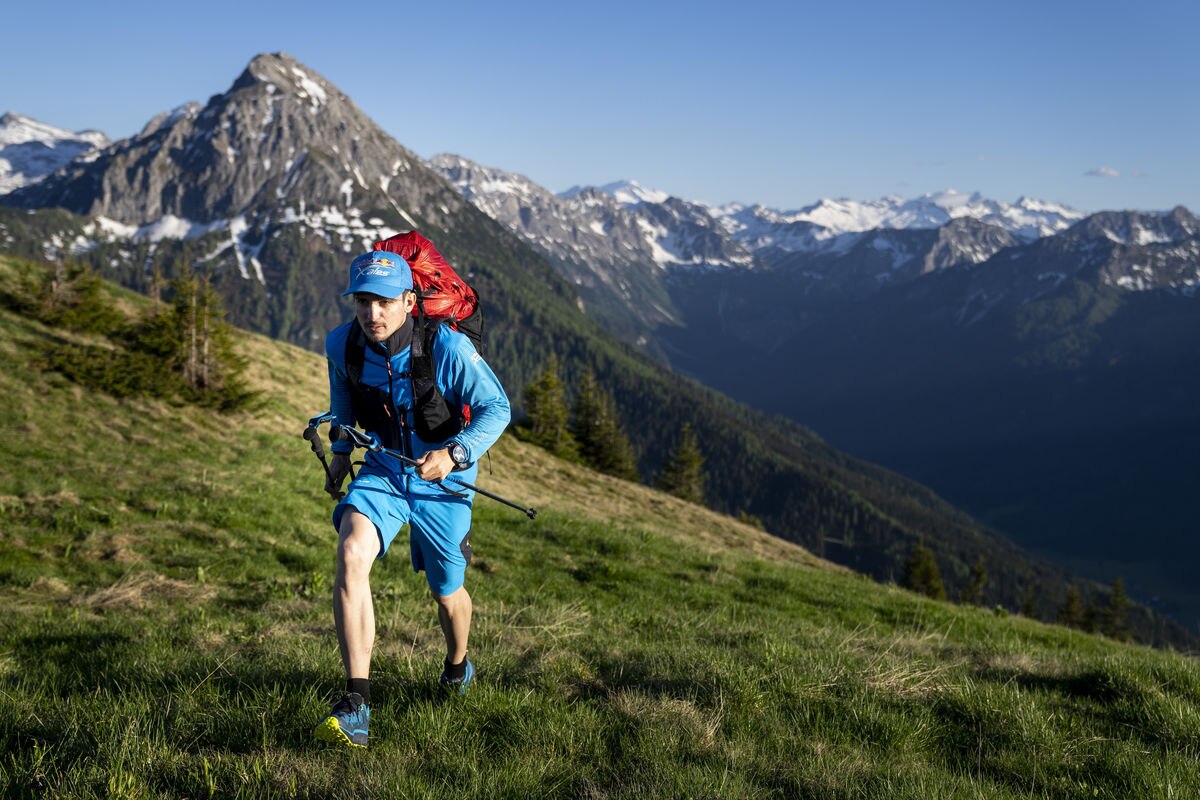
(623, 243)
(31, 150)
(1027, 219)
(1049, 388)
(589, 236)
(614, 243)
(271, 186)
(969, 343)
(678, 232)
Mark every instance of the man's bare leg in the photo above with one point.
(353, 608)
(454, 615)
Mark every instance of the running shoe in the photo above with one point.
(347, 722)
(460, 686)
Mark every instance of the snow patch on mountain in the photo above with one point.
(344, 228)
(899, 255)
(31, 150)
(1138, 235)
(309, 88)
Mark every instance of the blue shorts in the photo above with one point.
(439, 522)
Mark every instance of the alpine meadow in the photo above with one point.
(166, 576)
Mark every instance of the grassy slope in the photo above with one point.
(165, 576)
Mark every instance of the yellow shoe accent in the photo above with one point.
(329, 731)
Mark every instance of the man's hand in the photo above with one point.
(435, 465)
(339, 468)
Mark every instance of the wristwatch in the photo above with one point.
(458, 454)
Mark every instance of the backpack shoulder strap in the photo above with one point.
(434, 419)
(421, 349)
(356, 345)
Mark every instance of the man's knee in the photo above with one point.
(450, 600)
(358, 543)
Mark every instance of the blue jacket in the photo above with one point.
(463, 378)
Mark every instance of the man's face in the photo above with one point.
(380, 317)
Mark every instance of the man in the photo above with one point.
(370, 361)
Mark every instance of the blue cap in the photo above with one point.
(379, 272)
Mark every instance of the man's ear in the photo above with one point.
(410, 301)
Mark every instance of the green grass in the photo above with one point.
(165, 576)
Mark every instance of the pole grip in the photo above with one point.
(314, 441)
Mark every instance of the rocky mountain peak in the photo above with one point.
(287, 75)
(280, 137)
(966, 240)
(1139, 228)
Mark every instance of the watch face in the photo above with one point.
(458, 453)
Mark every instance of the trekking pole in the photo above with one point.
(371, 442)
(313, 436)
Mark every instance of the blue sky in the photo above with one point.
(1092, 104)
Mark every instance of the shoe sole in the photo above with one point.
(329, 731)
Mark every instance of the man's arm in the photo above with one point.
(339, 389)
(474, 384)
(339, 404)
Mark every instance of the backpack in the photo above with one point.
(442, 298)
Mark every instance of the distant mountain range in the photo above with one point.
(1000, 353)
(271, 186)
(620, 243)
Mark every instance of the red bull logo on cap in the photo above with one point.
(379, 273)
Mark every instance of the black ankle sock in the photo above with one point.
(456, 672)
(360, 686)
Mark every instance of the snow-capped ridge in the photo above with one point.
(828, 221)
(17, 129)
(627, 193)
(30, 149)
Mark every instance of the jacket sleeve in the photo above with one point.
(339, 389)
(472, 381)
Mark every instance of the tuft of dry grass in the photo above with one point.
(141, 589)
(698, 727)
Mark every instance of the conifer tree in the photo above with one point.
(156, 286)
(683, 473)
(596, 427)
(1113, 615)
(72, 296)
(972, 593)
(1091, 616)
(1071, 613)
(1029, 603)
(192, 338)
(545, 423)
(921, 573)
